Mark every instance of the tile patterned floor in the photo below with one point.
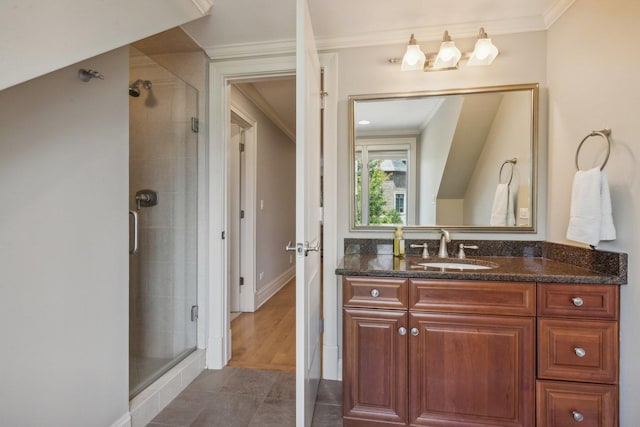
(237, 397)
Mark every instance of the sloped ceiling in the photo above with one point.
(39, 37)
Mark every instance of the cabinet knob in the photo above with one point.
(415, 332)
(577, 416)
(577, 301)
(375, 293)
(402, 331)
(580, 352)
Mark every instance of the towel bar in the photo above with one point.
(513, 164)
(604, 133)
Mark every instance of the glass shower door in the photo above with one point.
(163, 196)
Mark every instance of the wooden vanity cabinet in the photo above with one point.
(459, 353)
(374, 358)
(578, 355)
(442, 360)
(472, 361)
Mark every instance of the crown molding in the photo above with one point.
(204, 6)
(245, 50)
(258, 100)
(381, 38)
(432, 33)
(557, 9)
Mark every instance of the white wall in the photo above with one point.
(64, 248)
(40, 37)
(275, 186)
(435, 145)
(593, 83)
(366, 70)
(509, 137)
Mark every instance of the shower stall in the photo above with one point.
(163, 147)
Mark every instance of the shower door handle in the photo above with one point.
(135, 247)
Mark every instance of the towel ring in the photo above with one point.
(604, 134)
(513, 164)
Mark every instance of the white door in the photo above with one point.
(307, 217)
(235, 197)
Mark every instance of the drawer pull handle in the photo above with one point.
(375, 293)
(577, 416)
(577, 301)
(402, 331)
(580, 352)
(415, 332)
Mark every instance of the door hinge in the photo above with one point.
(323, 99)
(242, 281)
(242, 147)
(194, 313)
(242, 214)
(195, 124)
(223, 235)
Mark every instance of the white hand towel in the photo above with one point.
(590, 217)
(500, 205)
(511, 213)
(607, 229)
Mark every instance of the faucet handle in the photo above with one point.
(461, 254)
(425, 249)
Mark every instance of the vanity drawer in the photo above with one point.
(566, 404)
(478, 297)
(584, 350)
(594, 301)
(375, 292)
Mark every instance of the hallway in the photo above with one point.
(266, 339)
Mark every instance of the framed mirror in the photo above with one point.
(463, 159)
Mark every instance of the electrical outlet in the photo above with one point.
(261, 275)
(524, 213)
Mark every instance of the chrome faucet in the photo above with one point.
(444, 238)
(425, 249)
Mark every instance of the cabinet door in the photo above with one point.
(374, 377)
(470, 370)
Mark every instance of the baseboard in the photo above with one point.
(330, 362)
(124, 421)
(146, 405)
(263, 295)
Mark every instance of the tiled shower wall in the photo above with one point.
(163, 157)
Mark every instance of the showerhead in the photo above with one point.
(134, 89)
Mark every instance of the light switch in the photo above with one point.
(524, 213)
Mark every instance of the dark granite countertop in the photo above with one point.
(509, 268)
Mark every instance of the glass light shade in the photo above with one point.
(484, 53)
(448, 56)
(413, 59)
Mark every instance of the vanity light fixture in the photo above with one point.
(448, 55)
(414, 58)
(485, 52)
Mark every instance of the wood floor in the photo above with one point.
(266, 339)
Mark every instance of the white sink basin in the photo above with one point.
(457, 265)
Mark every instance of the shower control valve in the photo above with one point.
(146, 198)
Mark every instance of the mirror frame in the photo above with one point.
(532, 87)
